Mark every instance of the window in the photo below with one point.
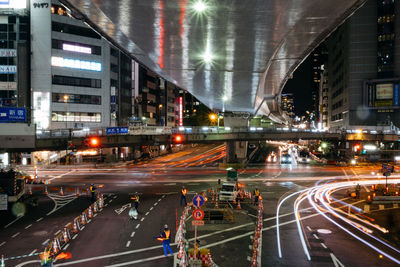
(75, 47)
(76, 116)
(77, 99)
(76, 81)
(76, 30)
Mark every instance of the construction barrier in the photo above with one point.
(257, 243)
(180, 237)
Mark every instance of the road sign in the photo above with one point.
(198, 214)
(197, 223)
(198, 201)
(117, 130)
(12, 114)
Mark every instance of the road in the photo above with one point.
(306, 227)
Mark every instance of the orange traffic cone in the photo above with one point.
(65, 235)
(2, 261)
(75, 228)
(238, 206)
(45, 191)
(101, 202)
(61, 191)
(90, 213)
(83, 219)
(56, 247)
(180, 254)
(95, 207)
(234, 199)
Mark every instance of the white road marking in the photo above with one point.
(75, 236)
(28, 226)
(133, 233)
(111, 200)
(13, 221)
(128, 243)
(151, 208)
(324, 246)
(137, 226)
(89, 221)
(59, 176)
(159, 199)
(155, 204)
(30, 254)
(142, 219)
(315, 236)
(2, 243)
(27, 263)
(83, 227)
(45, 242)
(66, 246)
(56, 233)
(38, 220)
(95, 215)
(105, 205)
(163, 196)
(309, 228)
(336, 261)
(60, 201)
(147, 213)
(14, 235)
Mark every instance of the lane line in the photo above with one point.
(45, 242)
(105, 205)
(142, 219)
(147, 213)
(61, 175)
(89, 221)
(83, 227)
(38, 220)
(324, 246)
(314, 235)
(75, 236)
(15, 234)
(133, 233)
(151, 208)
(128, 243)
(155, 204)
(309, 228)
(28, 226)
(137, 226)
(66, 246)
(159, 199)
(2, 243)
(56, 233)
(13, 221)
(30, 254)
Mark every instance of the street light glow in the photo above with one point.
(207, 57)
(199, 6)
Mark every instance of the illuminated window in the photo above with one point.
(77, 48)
(59, 116)
(75, 64)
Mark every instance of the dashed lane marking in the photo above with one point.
(155, 204)
(137, 226)
(163, 196)
(28, 226)
(151, 208)
(159, 199)
(309, 228)
(59, 176)
(83, 227)
(66, 246)
(89, 221)
(133, 233)
(110, 201)
(14, 235)
(324, 246)
(38, 220)
(2, 243)
(147, 213)
(33, 251)
(75, 236)
(105, 205)
(45, 242)
(13, 221)
(56, 233)
(314, 235)
(128, 243)
(142, 219)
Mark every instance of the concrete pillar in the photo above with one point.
(236, 151)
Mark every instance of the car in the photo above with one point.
(303, 157)
(286, 158)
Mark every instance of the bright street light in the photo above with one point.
(199, 6)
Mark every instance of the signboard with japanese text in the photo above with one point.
(384, 91)
(8, 52)
(8, 69)
(12, 114)
(117, 130)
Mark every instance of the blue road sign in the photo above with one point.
(12, 114)
(198, 201)
(117, 130)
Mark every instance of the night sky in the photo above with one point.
(300, 86)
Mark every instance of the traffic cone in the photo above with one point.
(45, 191)
(183, 260)
(95, 207)
(65, 235)
(180, 254)
(254, 261)
(61, 191)
(90, 213)
(75, 228)
(101, 201)
(216, 202)
(77, 193)
(238, 206)
(56, 248)
(234, 199)
(2, 261)
(83, 219)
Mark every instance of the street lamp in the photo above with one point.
(66, 98)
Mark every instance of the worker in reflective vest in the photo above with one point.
(45, 259)
(135, 199)
(183, 195)
(256, 196)
(165, 237)
(92, 190)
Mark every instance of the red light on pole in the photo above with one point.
(94, 141)
(178, 138)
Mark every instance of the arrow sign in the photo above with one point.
(124, 207)
(198, 201)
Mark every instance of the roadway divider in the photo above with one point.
(180, 238)
(257, 243)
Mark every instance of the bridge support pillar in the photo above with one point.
(236, 151)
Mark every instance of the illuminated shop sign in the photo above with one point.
(12, 3)
(75, 64)
(383, 94)
(384, 91)
(77, 48)
(8, 69)
(180, 111)
(8, 52)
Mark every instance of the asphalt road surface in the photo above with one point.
(112, 239)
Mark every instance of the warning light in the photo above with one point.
(178, 138)
(94, 141)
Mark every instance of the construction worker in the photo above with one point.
(135, 199)
(165, 237)
(256, 196)
(45, 259)
(183, 195)
(92, 190)
(358, 188)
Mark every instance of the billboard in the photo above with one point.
(117, 130)
(12, 3)
(12, 114)
(384, 91)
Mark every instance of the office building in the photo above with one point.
(287, 105)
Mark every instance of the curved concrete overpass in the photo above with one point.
(253, 46)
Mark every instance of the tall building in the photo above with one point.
(287, 105)
(364, 66)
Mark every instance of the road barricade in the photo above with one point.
(256, 258)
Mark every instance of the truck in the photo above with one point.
(12, 185)
(229, 187)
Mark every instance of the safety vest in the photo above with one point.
(92, 188)
(256, 193)
(167, 233)
(184, 191)
(135, 198)
(44, 257)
